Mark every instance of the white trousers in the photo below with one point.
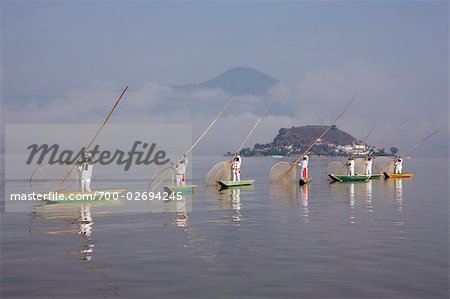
(368, 171)
(86, 185)
(351, 170)
(398, 169)
(181, 180)
(236, 175)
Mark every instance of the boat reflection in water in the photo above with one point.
(179, 208)
(230, 198)
(358, 196)
(65, 219)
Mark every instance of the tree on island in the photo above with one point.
(393, 150)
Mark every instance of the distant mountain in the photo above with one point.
(300, 137)
(239, 81)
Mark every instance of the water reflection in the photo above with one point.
(231, 199)
(236, 205)
(177, 207)
(358, 196)
(398, 187)
(181, 219)
(86, 225)
(351, 194)
(283, 190)
(369, 206)
(74, 220)
(304, 196)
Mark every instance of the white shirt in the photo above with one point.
(236, 164)
(85, 170)
(351, 164)
(181, 167)
(304, 163)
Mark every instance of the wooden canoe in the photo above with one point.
(71, 197)
(302, 182)
(180, 189)
(391, 175)
(349, 178)
(232, 184)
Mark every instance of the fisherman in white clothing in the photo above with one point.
(398, 165)
(85, 171)
(236, 168)
(180, 170)
(304, 166)
(351, 166)
(369, 165)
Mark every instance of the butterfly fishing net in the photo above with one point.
(283, 172)
(55, 177)
(336, 167)
(360, 166)
(219, 172)
(384, 164)
(161, 177)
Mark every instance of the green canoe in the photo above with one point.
(180, 189)
(304, 181)
(231, 184)
(353, 178)
(82, 197)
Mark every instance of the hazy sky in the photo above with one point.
(67, 61)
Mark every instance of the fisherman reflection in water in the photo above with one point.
(86, 223)
(85, 171)
(236, 167)
(180, 170)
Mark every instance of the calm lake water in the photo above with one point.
(381, 239)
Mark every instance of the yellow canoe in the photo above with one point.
(392, 175)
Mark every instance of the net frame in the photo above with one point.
(283, 172)
(336, 167)
(360, 165)
(60, 176)
(165, 173)
(384, 164)
(219, 172)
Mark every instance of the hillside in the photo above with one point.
(298, 139)
(239, 81)
(304, 136)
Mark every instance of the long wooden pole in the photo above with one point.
(368, 134)
(105, 120)
(419, 143)
(412, 147)
(329, 127)
(86, 148)
(389, 136)
(256, 123)
(294, 164)
(230, 101)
